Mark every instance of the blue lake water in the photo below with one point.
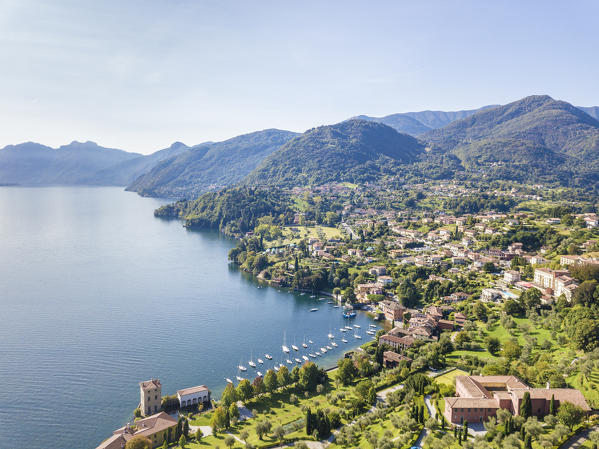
(96, 295)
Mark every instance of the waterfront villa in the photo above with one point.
(150, 393)
(193, 396)
(479, 397)
(153, 427)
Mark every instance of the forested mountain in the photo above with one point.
(536, 137)
(400, 122)
(353, 151)
(128, 171)
(32, 163)
(209, 166)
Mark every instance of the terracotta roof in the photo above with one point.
(473, 388)
(509, 381)
(192, 390)
(155, 423)
(154, 383)
(472, 402)
(561, 394)
(114, 442)
(394, 356)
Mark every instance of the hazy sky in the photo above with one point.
(139, 75)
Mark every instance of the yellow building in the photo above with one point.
(150, 393)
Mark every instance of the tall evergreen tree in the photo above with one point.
(526, 406)
(552, 408)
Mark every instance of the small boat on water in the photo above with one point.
(312, 296)
(333, 344)
(297, 360)
(359, 337)
(329, 302)
(372, 325)
(295, 348)
(305, 358)
(342, 329)
(371, 332)
(302, 294)
(312, 355)
(229, 381)
(318, 353)
(239, 378)
(330, 335)
(281, 365)
(344, 340)
(259, 374)
(268, 356)
(284, 347)
(315, 309)
(252, 364)
(276, 368)
(311, 342)
(335, 307)
(260, 361)
(349, 328)
(242, 368)
(330, 348)
(288, 361)
(357, 326)
(304, 345)
(321, 299)
(323, 350)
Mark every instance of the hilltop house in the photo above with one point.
(479, 397)
(153, 427)
(150, 393)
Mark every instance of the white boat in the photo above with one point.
(312, 296)
(295, 348)
(333, 344)
(344, 340)
(259, 374)
(312, 355)
(281, 365)
(229, 381)
(349, 328)
(329, 302)
(372, 325)
(357, 326)
(284, 347)
(318, 353)
(304, 345)
(268, 356)
(323, 350)
(371, 332)
(359, 337)
(276, 368)
(302, 294)
(330, 335)
(305, 358)
(252, 364)
(297, 360)
(242, 368)
(315, 309)
(330, 348)
(342, 329)
(335, 307)
(239, 378)
(260, 361)
(288, 361)
(311, 342)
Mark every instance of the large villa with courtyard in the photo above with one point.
(479, 397)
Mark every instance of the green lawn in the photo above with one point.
(589, 388)
(449, 378)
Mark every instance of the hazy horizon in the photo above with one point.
(142, 75)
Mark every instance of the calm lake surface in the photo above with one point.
(96, 295)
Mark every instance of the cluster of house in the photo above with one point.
(423, 325)
(479, 397)
(155, 424)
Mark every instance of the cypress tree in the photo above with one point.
(186, 428)
(309, 428)
(460, 438)
(522, 433)
(526, 406)
(552, 405)
(421, 416)
(178, 429)
(465, 430)
(528, 442)
(455, 432)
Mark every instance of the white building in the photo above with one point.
(511, 276)
(193, 396)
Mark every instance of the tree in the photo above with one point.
(570, 414)
(480, 311)
(229, 441)
(526, 406)
(199, 434)
(308, 377)
(283, 377)
(233, 411)
(528, 442)
(279, 433)
(552, 405)
(219, 419)
(139, 442)
(186, 428)
(511, 350)
(586, 335)
(489, 267)
(493, 344)
(408, 293)
(229, 395)
(262, 428)
(270, 381)
(244, 390)
(347, 371)
(182, 441)
(258, 385)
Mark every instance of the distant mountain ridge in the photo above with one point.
(36, 164)
(210, 166)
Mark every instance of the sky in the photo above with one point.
(139, 75)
